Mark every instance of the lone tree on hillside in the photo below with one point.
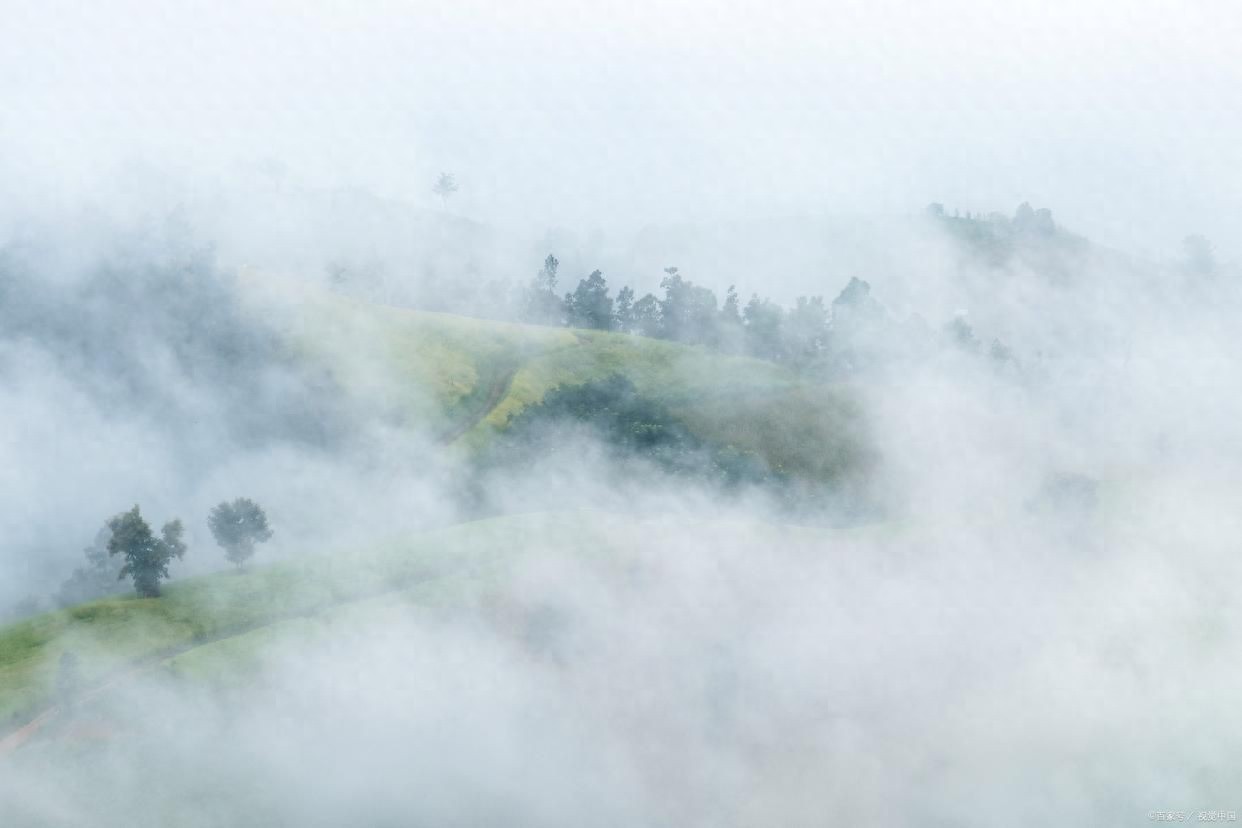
(446, 185)
(237, 527)
(146, 556)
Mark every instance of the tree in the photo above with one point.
(854, 296)
(623, 313)
(855, 311)
(543, 306)
(1001, 354)
(590, 306)
(146, 556)
(647, 316)
(729, 331)
(730, 312)
(237, 527)
(961, 334)
(633, 427)
(687, 311)
(446, 185)
(806, 329)
(763, 328)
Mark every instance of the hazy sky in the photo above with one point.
(1121, 116)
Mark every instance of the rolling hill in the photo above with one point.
(461, 380)
(458, 381)
(212, 630)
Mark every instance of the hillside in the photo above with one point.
(461, 380)
(457, 381)
(215, 629)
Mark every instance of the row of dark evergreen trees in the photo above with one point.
(836, 338)
(686, 312)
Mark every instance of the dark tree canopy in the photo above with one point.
(806, 329)
(590, 306)
(633, 426)
(237, 527)
(623, 313)
(763, 328)
(146, 556)
(687, 311)
(647, 316)
(730, 330)
(962, 335)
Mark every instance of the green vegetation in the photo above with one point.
(237, 527)
(110, 634)
(146, 556)
(469, 382)
(221, 623)
(631, 426)
(469, 379)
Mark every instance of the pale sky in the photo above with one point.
(1123, 117)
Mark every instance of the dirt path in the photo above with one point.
(495, 393)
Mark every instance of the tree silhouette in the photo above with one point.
(590, 306)
(146, 556)
(237, 527)
(543, 306)
(623, 313)
(445, 186)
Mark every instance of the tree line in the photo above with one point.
(685, 312)
(838, 337)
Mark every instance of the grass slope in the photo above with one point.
(462, 379)
(113, 634)
(465, 378)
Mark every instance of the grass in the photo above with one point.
(442, 371)
(109, 634)
(216, 628)
(462, 379)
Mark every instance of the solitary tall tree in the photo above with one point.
(237, 527)
(729, 330)
(806, 329)
(146, 556)
(763, 320)
(542, 305)
(623, 312)
(446, 185)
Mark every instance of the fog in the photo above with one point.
(1010, 603)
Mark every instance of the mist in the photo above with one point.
(963, 552)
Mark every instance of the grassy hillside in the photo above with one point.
(460, 380)
(111, 633)
(215, 625)
(465, 378)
